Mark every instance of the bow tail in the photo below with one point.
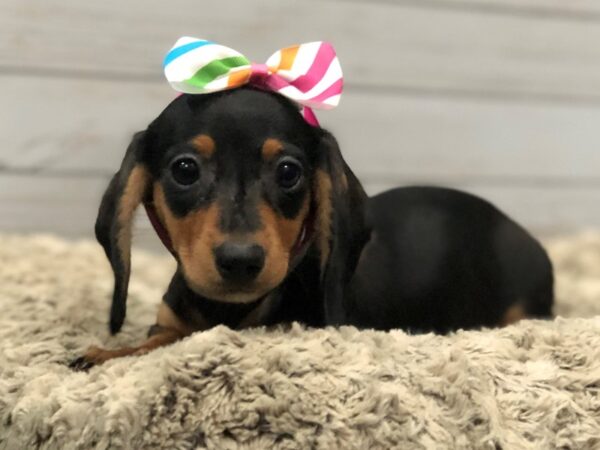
(309, 116)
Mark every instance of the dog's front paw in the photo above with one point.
(85, 362)
(80, 364)
(96, 356)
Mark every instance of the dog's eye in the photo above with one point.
(185, 171)
(288, 174)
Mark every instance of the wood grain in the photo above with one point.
(395, 45)
(68, 206)
(543, 210)
(77, 124)
(496, 96)
(566, 10)
(84, 126)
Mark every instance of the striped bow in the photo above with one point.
(309, 74)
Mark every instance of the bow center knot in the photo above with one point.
(259, 74)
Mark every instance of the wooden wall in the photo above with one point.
(499, 97)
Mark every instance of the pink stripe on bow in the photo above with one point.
(332, 90)
(325, 55)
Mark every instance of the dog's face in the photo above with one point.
(232, 180)
(242, 186)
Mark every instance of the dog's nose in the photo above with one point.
(239, 262)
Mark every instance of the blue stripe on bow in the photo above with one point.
(178, 51)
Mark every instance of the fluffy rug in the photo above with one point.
(533, 385)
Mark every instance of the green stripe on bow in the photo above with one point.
(215, 69)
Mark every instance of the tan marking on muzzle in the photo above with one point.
(284, 230)
(278, 236)
(193, 238)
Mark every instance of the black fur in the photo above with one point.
(298, 299)
(439, 259)
(240, 121)
(415, 258)
(107, 230)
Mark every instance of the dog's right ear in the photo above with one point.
(341, 229)
(125, 192)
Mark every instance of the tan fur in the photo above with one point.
(166, 318)
(323, 190)
(97, 355)
(193, 237)
(277, 236)
(287, 229)
(271, 148)
(344, 182)
(171, 330)
(204, 144)
(513, 314)
(133, 195)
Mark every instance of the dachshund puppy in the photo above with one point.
(267, 224)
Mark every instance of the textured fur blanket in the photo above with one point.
(532, 385)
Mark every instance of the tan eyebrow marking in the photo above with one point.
(204, 144)
(271, 148)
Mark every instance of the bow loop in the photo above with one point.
(309, 74)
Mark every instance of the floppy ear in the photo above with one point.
(341, 231)
(113, 225)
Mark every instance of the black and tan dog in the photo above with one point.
(269, 225)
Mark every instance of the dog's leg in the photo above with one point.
(168, 329)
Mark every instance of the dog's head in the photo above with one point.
(242, 186)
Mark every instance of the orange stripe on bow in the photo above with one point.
(238, 78)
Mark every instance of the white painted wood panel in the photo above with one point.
(68, 206)
(85, 125)
(566, 9)
(540, 9)
(63, 205)
(543, 210)
(435, 138)
(73, 123)
(402, 45)
(500, 97)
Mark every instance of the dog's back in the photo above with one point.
(441, 259)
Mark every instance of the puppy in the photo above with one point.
(268, 224)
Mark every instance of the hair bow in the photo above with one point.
(309, 74)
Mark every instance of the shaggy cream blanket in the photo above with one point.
(533, 385)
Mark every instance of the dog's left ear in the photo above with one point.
(125, 192)
(341, 231)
